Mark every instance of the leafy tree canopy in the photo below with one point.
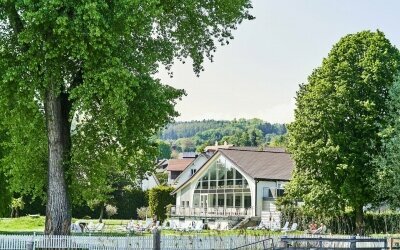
(338, 116)
(387, 178)
(91, 64)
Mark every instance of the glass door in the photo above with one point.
(204, 202)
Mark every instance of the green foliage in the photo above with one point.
(98, 60)
(178, 130)
(279, 141)
(143, 213)
(5, 196)
(162, 178)
(196, 135)
(159, 198)
(339, 114)
(387, 178)
(164, 150)
(17, 204)
(345, 222)
(185, 145)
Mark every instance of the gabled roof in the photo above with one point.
(268, 149)
(262, 165)
(184, 155)
(196, 159)
(178, 164)
(268, 165)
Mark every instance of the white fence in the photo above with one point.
(175, 242)
(20, 242)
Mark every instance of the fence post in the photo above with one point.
(320, 242)
(285, 241)
(29, 245)
(156, 239)
(353, 242)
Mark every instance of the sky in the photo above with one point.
(258, 73)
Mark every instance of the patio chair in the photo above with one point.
(292, 228)
(185, 226)
(198, 226)
(98, 227)
(275, 226)
(285, 227)
(260, 226)
(75, 228)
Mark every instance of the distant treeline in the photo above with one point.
(194, 135)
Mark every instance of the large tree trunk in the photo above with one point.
(58, 214)
(359, 220)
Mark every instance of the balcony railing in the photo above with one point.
(211, 211)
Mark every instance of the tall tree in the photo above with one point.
(338, 116)
(92, 64)
(387, 180)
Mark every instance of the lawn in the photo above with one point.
(37, 223)
(29, 224)
(22, 224)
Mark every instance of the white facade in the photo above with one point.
(222, 189)
(149, 182)
(190, 170)
(233, 187)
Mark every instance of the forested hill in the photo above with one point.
(188, 129)
(254, 132)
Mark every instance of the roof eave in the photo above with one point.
(270, 179)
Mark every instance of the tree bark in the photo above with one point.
(58, 214)
(359, 220)
(101, 213)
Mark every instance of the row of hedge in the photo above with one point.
(126, 201)
(374, 222)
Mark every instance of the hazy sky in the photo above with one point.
(258, 73)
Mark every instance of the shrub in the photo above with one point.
(143, 212)
(111, 210)
(159, 198)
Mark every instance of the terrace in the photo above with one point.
(211, 211)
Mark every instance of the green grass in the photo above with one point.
(29, 224)
(22, 224)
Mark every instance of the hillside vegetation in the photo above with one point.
(195, 135)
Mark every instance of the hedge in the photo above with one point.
(159, 198)
(375, 222)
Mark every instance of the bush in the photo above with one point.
(143, 212)
(345, 223)
(159, 198)
(111, 210)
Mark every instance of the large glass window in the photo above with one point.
(247, 200)
(229, 200)
(221, 200)
(238, 200)
(196, 200)
(212, 200)
(225, 186)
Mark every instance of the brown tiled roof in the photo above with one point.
(269, 149)
(262, 164)
(178, 164)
